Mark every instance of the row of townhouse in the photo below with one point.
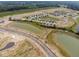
(43, 22)
(36, 16)
(49, 22)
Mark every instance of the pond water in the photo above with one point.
(9, 45)
(70, 43)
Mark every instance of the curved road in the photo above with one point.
(48, 52)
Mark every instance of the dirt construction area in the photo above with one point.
(12, 44)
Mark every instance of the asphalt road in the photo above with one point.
(48, 52)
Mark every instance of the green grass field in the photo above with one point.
(31, 27)
(15, 12)
(21, 11)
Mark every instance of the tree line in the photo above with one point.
(18, 5)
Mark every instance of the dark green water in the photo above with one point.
(70, 43)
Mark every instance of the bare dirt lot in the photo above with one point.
(12, 44)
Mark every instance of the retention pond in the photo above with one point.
(69, 42)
